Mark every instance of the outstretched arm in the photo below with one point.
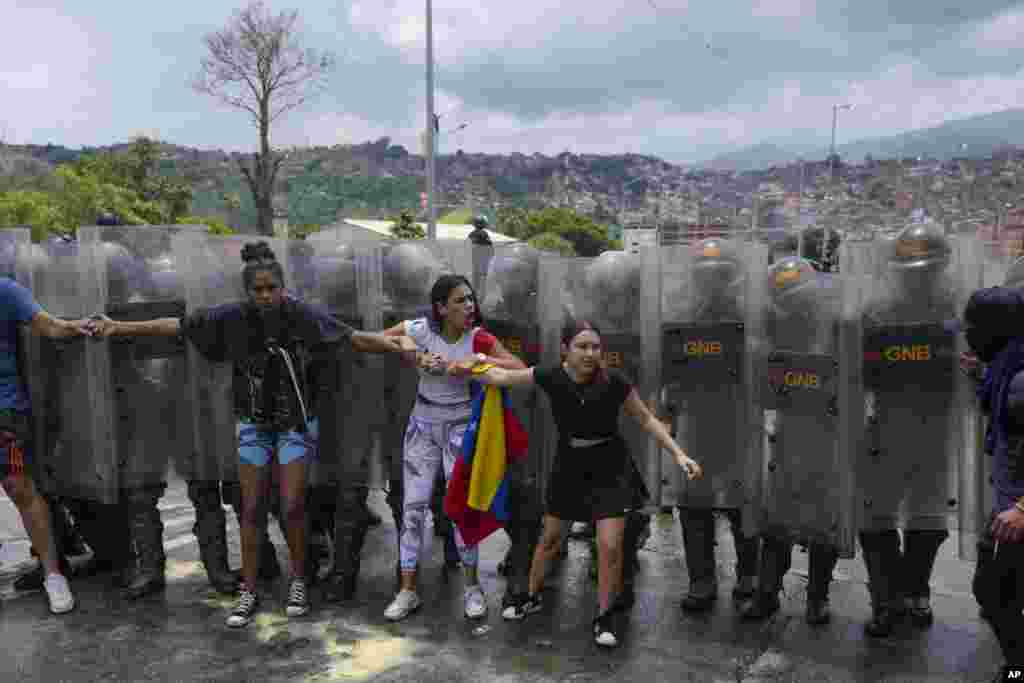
(503, 358)
(45, 325)
(375, 342)
(656, 428)
(159, 327)
(474, 368)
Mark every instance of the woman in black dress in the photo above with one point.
(593, 478)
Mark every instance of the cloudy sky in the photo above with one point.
(681, 79)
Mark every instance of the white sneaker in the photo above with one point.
(59, 593)
(476, 604)
(404, 604)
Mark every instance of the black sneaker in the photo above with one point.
(519, 606)
(248, 601)
(298, 600)
(605, 633)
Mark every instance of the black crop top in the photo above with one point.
(583, 411)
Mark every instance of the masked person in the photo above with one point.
(273, 342)
(19, 308)
(593, 477)
(996, 336)
(437, 425)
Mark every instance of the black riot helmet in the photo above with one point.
(792, 283)
(716, 266)
(108, 219)
(918, 257)
(479, 234)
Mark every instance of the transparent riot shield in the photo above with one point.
(621, 294)
(807, 395)
(983, 262)
(130, 274)
(704, 378)
(345, 403)
(912, 292)
(211, 269)
(401, 274)
(509, 306)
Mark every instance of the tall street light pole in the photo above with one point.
(431, 123)
(832, 163)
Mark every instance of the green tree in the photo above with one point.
(551, 242)
(457, 217)
(216, 225)
(405, 228)
(25, 208)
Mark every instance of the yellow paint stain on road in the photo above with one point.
(378, 652)
(179, 569)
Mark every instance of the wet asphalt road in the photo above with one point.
(180, 635)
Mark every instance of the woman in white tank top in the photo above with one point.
(433, 438)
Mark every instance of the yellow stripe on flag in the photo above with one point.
(489, 455)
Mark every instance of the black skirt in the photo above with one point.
(599, 482)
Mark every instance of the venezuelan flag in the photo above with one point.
(477, 496)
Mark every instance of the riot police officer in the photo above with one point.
(801, 319)
(715, 308)
(915, 303)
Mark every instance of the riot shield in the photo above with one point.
(704, 379)
(983, 261)
(509, 306)
(211, 269)
(400, 275)
(131, 274)
(344, 401)
(621, 294)
(912, 290)
(807, 395)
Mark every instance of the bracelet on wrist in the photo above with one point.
(1019, 505)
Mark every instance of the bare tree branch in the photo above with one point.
(256, 64)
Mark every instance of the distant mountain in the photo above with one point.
(982, 135)
(763, 155)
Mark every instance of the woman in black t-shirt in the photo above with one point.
(593, 477)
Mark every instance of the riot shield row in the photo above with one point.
(820, 403)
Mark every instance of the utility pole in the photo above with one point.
(431, 124)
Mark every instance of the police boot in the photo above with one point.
(822, 562)
(776, 558)
(106, 531)
(747, 550)
(72, 541)
(211, 533)
(920, 547)
(452, 560)
(698, 527)
(350, 528)
(147, 531)
(883, 562)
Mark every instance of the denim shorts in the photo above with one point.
(256, 446)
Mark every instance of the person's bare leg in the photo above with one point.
(253, 483)
(35, 515)
(609, 555)
(547, 550)
(293, 513)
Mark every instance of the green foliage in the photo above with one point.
(301, 232)
(405, 228)
(552, 242)
(319, 199)
(29, 209)
(586, 237)
(216, 224)
(457, 217)
(514, 222)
